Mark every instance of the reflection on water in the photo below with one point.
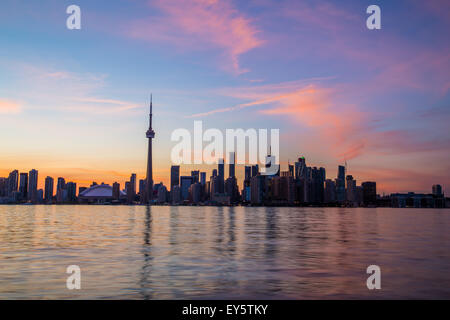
(141, 252)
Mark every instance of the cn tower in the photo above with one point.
(150, 134)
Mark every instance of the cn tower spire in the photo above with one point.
(151, 110)
(150, 134)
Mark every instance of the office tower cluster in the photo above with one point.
(23, 188)
(195, 189)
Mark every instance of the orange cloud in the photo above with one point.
(338, 125)
(8, 107)
(200, 23)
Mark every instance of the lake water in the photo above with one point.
(137, 252)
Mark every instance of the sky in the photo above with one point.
(74, 103)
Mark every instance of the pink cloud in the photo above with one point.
(339, 125)
(201, 23)
(9, 107)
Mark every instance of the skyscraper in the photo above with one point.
(351, 189)
(437, 190)
(195, 174)
(48, 195)
(232, 165)
(330, 191)
(13, 182)
(23, 185)
(3, 187)
(131, 191)
(248, 173)
(141, 190)
(150, 134)
(186, 182)
(174, 176)
(300, 168)
(116, 191)
(369, 190)
(61, 184)
(221, 176)
(202, 178)
(71, 191)
(255, 170)
(340, 185)
(32, 185)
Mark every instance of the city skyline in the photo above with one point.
(175, 178)
(72, 101)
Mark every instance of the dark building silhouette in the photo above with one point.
(195, 174)
(437, 190)
(23, 185)
(255, 170)
(174, 176)
(32, 185)
(13, 182)
(369, 190)
(221, 175)
(48, 196)
(340, 185)
(232, 165)
(61, 184)
(186, 182)
(116, 191)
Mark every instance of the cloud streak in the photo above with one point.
(197, 24)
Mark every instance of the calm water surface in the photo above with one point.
(222, 253)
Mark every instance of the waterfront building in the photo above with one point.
(49, 189)
(23, 185)
(100, 193)
(437, 190)
(162, 194)
(351, 189)
(330, 191)
(186, 182)
(175, 194)
(195, 192)
(174, 176)
(221, 175)
(61, 184)
(258, 187)
(369, 197)
(115, 191)
(71, 188)
(13, 182)
(232, 165)
(32, 185)
(340, 185)
(195, 174)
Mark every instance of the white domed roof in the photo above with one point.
(99, 191)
